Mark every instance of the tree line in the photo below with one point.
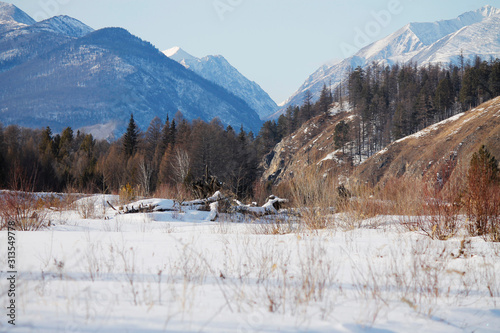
(391, 102)
(394, 102)
(170, 153)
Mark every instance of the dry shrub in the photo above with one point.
(128, 193)
(263, 189)
(360, 203)
(440, 215)
(482, 198)
(315, 192)
(177, 192)
(428, 206)
(402, 196)
(87, 208)
(21, 208)
(317, 272)
(493, 232)
(397, 196)
(432, 210)
(277, 225)
(443, 204)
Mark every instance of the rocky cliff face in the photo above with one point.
(310, 147)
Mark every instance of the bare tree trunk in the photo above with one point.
(145, 175)
(180, 165)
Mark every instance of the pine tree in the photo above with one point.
(306, 109)
(88, 144)
(165, 134)
(65, 144)
(45, 145)
(469, 91)
(131, 138)
(443, 98)
(356, 84)
(484, 163)
(341, 135)
(153, 137)
(325, 99)
(494, 79)
(173, 132)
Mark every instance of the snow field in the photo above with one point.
(175, 272)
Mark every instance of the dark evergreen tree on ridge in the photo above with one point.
(130, 138)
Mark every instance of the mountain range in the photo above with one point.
(475, 33)
(217, 69)
(60, 72)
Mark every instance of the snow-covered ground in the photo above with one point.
(175, 272)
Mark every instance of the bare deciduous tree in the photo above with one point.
(180, 165)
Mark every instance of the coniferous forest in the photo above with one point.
(390, 103)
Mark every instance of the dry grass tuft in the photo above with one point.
(21, 208)
(317, 193)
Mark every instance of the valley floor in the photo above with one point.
(176, 272)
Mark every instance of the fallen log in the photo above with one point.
(214, 198)
(215, 204)
(271, 207)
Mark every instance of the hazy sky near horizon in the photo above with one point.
(276, 43)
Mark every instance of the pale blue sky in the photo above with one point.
(277, 43)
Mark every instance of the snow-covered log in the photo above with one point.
(149, 206)
(212, 204)
(166, 205)
(214, 211)
(214, 198)
(271, 207)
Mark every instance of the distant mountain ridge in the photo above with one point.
(60, 72)
(64, 25)
(475, 33)
(217, 69)
(13, 15)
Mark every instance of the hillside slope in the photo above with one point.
(447, 144)
(439, 148)
(311, 146)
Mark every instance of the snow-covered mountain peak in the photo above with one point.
(217, 69)
(430, 32)
(215, 59)
(178, 54)
(9, 12)
(479, 14)
(489, 10)
(65, 25)
(217, 56)
(474, 33)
